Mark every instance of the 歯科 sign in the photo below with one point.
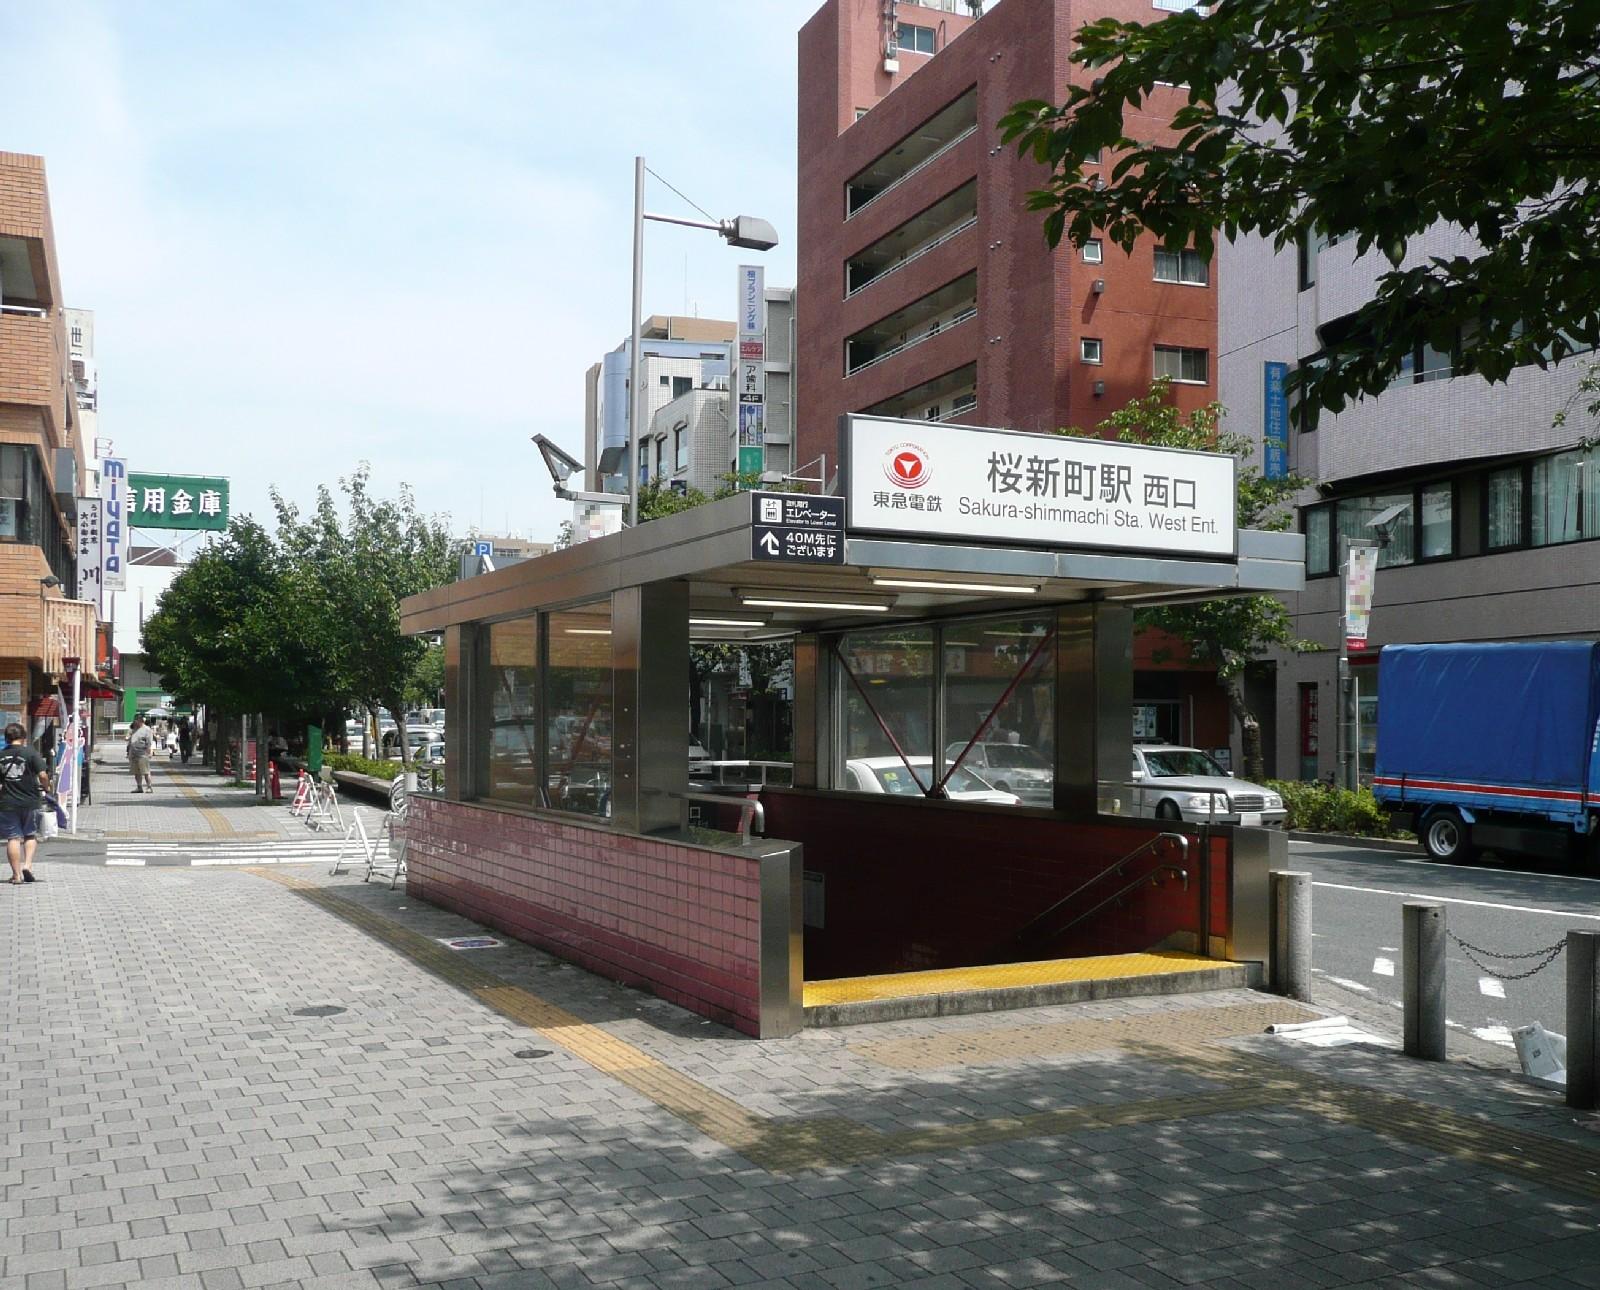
(915, 478)
(177, 502)
(89, 553)
(113, 524)
(796, 529)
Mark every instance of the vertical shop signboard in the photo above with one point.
(113, 524)
(1275, 420)
(750, 369)
(89, 554)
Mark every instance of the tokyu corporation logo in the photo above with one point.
(906, 465)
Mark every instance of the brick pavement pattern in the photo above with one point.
(495, 1118)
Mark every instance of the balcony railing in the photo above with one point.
(920, 166)
(960, 410)
(914, 341)
(27, 311)
(915, 255)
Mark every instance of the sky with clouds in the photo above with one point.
(320, 233)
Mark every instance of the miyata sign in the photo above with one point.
(910, 477)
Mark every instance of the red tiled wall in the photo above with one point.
(915, 885)
(678, 921)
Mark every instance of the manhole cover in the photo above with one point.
(319, 1010)
(529, 1054)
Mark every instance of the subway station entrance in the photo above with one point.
(958, 817)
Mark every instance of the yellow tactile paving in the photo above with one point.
(1240, 1081)
(1000, 976)
(215, 820)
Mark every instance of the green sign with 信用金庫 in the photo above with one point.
(177, 502)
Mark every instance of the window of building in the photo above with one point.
(666, 380)
(1177, 6)
(661, 448)
(1312, 241)
(861, 112)
(77, 335)
(1186, 366)
(511, 682)
(1353, 518)
(1089, 349)
(578, 717)
(1438, 509)
(680, 447)
(914, 39)
(1318, 522)
(1504, 509)
(681, 385)
(895, 667)
(1092, 251)
(1186, 266)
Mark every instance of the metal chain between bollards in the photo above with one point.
(1547, 956)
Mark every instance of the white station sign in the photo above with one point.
(910, 477)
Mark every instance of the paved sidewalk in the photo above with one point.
(225, 1078)
(190, 804)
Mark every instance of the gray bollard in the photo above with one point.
(1291, 934)
(1583, 1019)
(1422, 946)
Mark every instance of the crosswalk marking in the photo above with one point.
(212, 854)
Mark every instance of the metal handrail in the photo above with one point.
(921, 165)
(1118, 895)
(957, 412)
(752, 815)
(901, 348)
(762, 766)
(915, 255)
(1114, 867)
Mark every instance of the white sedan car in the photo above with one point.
(1173, 783)
(889, 775)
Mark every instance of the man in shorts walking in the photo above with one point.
(23, 780)
(140, 740)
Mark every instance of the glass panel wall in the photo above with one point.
(1016, 753)
(578, 707)
(1503, 505)
(1438, 520)
(511, 674)
(1557, 499)
(1319, 540)
(1355, 514)
(895, 667)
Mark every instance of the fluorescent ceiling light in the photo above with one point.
(863, 605)
(587, 631)
(919, 584)
(727, 622)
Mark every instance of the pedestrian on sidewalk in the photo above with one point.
(140, 740)
(23, 780)
(185, 739)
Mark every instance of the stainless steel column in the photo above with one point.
(1422, 947)
(782, 967)
(1094, 708)
(1583, 1020)
(813, 713)
(650, 678)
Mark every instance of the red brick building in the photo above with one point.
(928, 290)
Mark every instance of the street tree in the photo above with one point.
(234, 631)
(1309, 122)
(1231, 633)
(357, 568)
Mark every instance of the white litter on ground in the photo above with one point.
(1491, 987)
(1543, 1055)
(1383, 967)
(1327, 1032)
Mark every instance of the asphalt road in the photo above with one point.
(1497, 905)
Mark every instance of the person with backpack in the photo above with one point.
(24, 779)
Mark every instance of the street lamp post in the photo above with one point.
(742, 231)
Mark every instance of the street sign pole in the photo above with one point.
(74, 739)
(1353, 625)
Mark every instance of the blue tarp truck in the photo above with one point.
(1492, 746)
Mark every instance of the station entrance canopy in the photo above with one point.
(567, 677)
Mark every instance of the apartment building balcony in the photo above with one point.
(945, 398)
(931, 140)
(29, 372)
(920, 321)
(925, 231)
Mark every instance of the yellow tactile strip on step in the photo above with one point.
(1001, 976)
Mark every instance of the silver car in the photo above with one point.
(1011, 768)
(1174, 783)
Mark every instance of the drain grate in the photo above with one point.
(530, 1054)
(319, 1010)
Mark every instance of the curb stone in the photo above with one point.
(1348, 840)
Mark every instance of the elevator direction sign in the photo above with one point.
(791, 528)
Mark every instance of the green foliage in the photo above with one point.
(1318, 808)
(357, 765)
(1361, 121)
(304, 625)
(426, 687)
(658, 499)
